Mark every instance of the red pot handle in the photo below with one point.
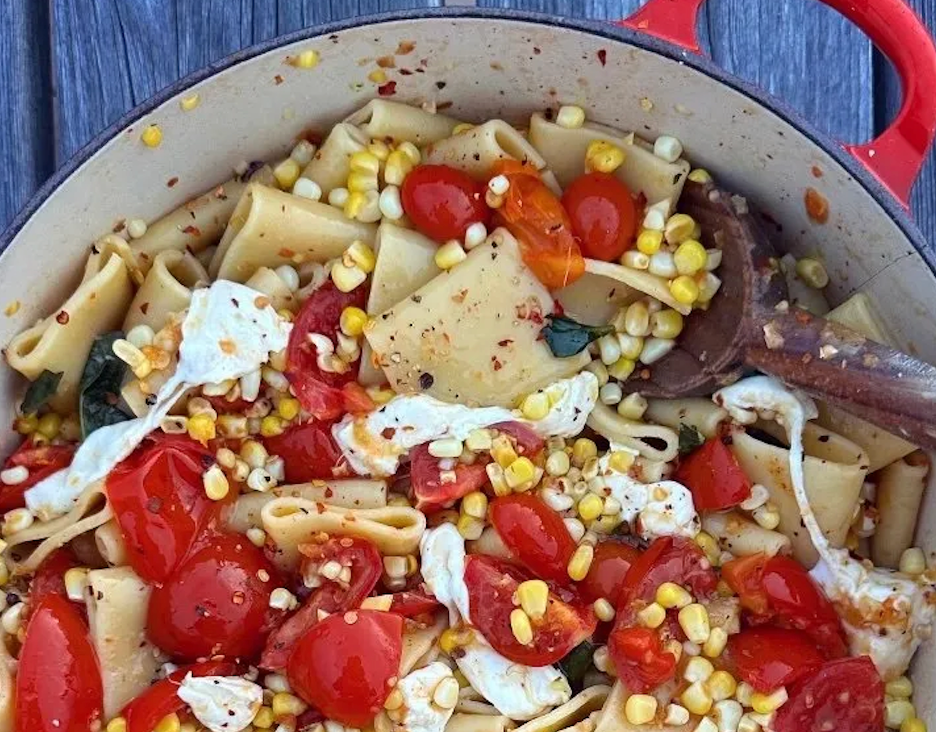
(896, 155)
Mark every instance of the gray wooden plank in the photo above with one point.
(25, 98)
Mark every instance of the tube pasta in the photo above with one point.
(60, 343)
(269, 228)
(167, 289)
(7, 685)
(475, 151)
(117, 601)
(266, 280)
(461, 722)
(110, 544)
(881, 447)
(382, 118)
(490, 543)
(418, 641)
(595, 298)
(568, 714)
(289, 522)
(859, 314)
(640, 280)
(642, 172)
(899, 496)
(652, 441)
(703, 414)
(612, 717)
(743, 537)
(330, 165)
(651, 471)
(196, 224)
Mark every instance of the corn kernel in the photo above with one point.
(352, 321)
(169, 723)
(377, 76)
(611, 393)
(201, 427)
(215, 483)
(469, 527)
(76, 583)
(767, 703)
(495, 474)
(307, 59)
(535, 406)
(603, 156)
(897, 712)
(696, 699)
(287, 173)
(622, 368)
(667, 323)
(599, 370)
(581, 561)
(684, 290)
(582, 450)
(475, 504)
(360, 255)
(766, 516)
(744, 692)
(694, 620)
(272, 426)
(264, 718)
(716, 642)
(633, 407)
(449, 447)
(912, 560)
(663, 265)
(398, 166)
(117, 724)
(652, 616)
(521, 627)
(656, 215)
(728, 714)
(450, 254)
(347, 278)
(679, 228)
(812, 272)
(690, 257)
(152, 136)
(721, 685)
(902, 688)
(285, 704)
(621, 461)
(698, 669)
(676, 715)
(558, 463)
(570, 116)
(670, 595)
(709, 285)
(49, 425)
(288, 408)
(913, 724)
(700, 175)
(520, 472)
(26, 424)
(604, 610)
(453, 638)
(590, 507)
(668, 148)
(445, 694)
(640, 708)
(649, 241)
(534, 597)
(635, 259)
(479, 440)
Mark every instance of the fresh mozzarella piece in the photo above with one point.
(228, 332)
(374, 443)
(419, 714)
(886, 615)
(442, 553)
(221, 703)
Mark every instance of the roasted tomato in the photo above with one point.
(58, 681)
(343, 665)
(535, 535)
(309, 452)
(49, 579)
(431, 491)
(491, 587)
(216, 603)
(364, 561)
(603, 215)
(608, 571)
(411, 604)
(767, 657)
(525, 440)
(669, 559)
(41, 461)
(713, 475)
(159, 502)
(639, 658)
(443, 202)
(323, 393)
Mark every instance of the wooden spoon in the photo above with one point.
(751, 326)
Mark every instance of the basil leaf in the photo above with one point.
(100, 386)
(576, 662)
(689, 438)
(40, 391)
(565, 337)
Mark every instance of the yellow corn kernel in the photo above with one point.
(264, 718)
(652, 616)
(215, 483)
(670, 595)
(743, 693)
(622, 368)
(475, 504)
(709, 546)
(462, 127)
(502, 450)
(169, 723)
(352, 321)
(637, 320)
(812, 272)
(581, 561)
(380, 396)
(898, 711)
(271, 426)
(690, 257)
(913, 724)
(649, 241)
(152, 136)
(558, 464)
(696, 699)
(284, 704)
(698, 669)
(534, 597)
(469, 527)
(76, 583)
(767, 703)
(570, 116)
(117, 724)
(450, 254)
(604, 610)
(590, 507)
(721, 685)
(520, 472)
(354, 204)
(666, 323)
(679, 227)
(398, 166)
(288, 408)
(49, 425)
(26, 424)
(640, 708)
(694, 620)
(454, 638)
(521, 627)
(700, 175)
(201, 427)
(410, 151)
(684, 290)
(364, 161)
(603, 156)
(362, 256)
(912, 560)
(347, 278)
(361, 182)
(632, 407)
(495, 474)
(621, 461)
(716, 642)
(378, 76)
(287, 173)
(902, 688)
(582, 450)
(535, 406)
(307, 60)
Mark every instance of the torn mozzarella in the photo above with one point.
(221, 703)
(442, 553)
(419, 713)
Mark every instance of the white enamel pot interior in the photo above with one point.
(483, 64)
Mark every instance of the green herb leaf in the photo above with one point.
(100, 386)
(689, 438)
(40, 391)
(576, 663)
(566, 338)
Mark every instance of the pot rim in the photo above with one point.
(603, 29)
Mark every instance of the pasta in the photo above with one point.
(331, 164)
(743, 537)
(476, 150)
(702, 414)
(7, 686)
(478, 723)
(166, 290)
(652, 441)
(110, 544)
(419, 641)
(612, 718)
(381, 118)
(574, 710)
(900, 489)
(580, 302)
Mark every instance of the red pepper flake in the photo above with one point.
(504, 343)
(288, 253)
(602, 56)
(193, 230)
(459, 297)
(227, 345)
(387, 90)
(238, 598)
(386, 62)
(387, 433)
(817, 171)
(536, 51)
(320, 507)
(278, 80)
(62, 318)
(311, 135)
(817, 206)
(405, 47)
(172, 181)
(144, 308)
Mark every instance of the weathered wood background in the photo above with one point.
(71, 67)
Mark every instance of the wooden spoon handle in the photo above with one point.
(891, 389)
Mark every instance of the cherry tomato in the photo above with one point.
(366, 567)
(491, 587)
(431, 492)
(410, 604)
(535, 534)
(309, 452)
(669, 559)
(58, 682)
(443, 202)
(41, 461)
(767, 657)
(639, 658)
(845, 694)
(159, 502)
(525, 440)
(161, 699)
(745, 576)
(343, 665)
(608, 569)
(603, 215)
(215, 603)
(49, 579)
(536, 217)
(713, 475)
(321, 392)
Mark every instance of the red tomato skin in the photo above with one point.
(58, 682)
(845, 694)
(366, 567)
(713, 475)
(527, 442)
(767, 657)
(745, 577)
(161, 699)
(608, 571)
(309, 451)
(49, 578)
(412, 603)
(430, 492)
(160, 504)
(214, 603)
(535, 534)
(639, 658)
(669, 559)
(41, 461)
(443, 202)
(603, 215)
(344, 664)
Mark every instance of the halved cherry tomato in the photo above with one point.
(768, 657)
(603, 215)
(216, 602)
(41, 461)
(846, 694)
(669, 559)
(491, 587)
(366, 566)
(321, 392)
(159, 502)
(713, 475)
(343, 665)
(745, 576)
(58, 681)
(161, 699)
(411, 603)
(535, 534)
(639, 658)
(525, 440)
(608, 570)
(431, 491)
(49, 578)
(309, 452)
(443, 202)
(536, 217)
